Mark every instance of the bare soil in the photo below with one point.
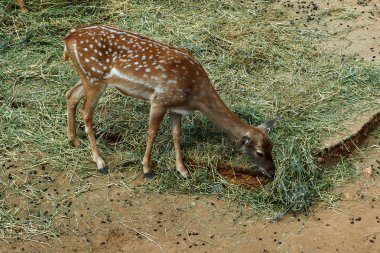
(107, 217)
(248, 178)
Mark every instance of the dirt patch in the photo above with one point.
(249, 178)
(107, 218)
(354, 24)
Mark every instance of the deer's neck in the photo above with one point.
(216, 110)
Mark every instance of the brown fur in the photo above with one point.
(169, 77)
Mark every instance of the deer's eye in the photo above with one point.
(259, 153)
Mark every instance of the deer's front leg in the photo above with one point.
(157, 113)
(175, 119)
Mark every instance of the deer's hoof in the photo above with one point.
(75, 142)
(184, 173)
(149, 175)
(104, 171)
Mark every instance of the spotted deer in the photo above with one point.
(166, 76)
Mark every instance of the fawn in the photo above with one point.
(169, 77)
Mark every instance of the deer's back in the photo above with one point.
(108, 54)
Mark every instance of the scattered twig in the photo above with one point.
(147, 236)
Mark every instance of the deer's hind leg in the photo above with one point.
(93, 92)
(73, 96)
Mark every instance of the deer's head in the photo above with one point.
(257, 145)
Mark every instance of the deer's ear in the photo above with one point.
(266, 126)
(245, 140)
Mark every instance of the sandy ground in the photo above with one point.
(108, 218)
(354, 24)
